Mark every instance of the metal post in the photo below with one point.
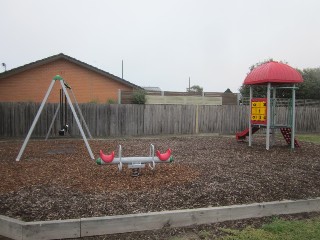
(122, 69)
(80, 113)
(119, 96)
(268, 118)
(77, 119)
(293, 116)
(35, 121)
(197, 119)
(61, 109)
(250, 112)
(273, 130)
(52, 122)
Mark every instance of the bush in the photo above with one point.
(111, 101)
(139, 97)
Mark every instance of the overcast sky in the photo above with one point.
(164, 42)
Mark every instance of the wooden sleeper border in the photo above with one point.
(74, 228)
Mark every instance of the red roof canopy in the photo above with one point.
(273, 72)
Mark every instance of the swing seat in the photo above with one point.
(62, 132)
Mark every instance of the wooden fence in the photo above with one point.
(167, 97)
(113, 120)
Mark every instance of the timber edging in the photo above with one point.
(73, 228)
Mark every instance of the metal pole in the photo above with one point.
(80, 113)
(119, 96)
(250, 112)
(273, 116)
(122, 69)
(77, 119)
(65, 112)
(35, 121)
(268, 118)
(293, 116)
(61, 109)
(52, 122)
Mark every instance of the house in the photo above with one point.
(30, 82)
(152, 89)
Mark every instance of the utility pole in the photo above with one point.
(122, 70)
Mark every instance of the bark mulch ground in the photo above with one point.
(56, 179)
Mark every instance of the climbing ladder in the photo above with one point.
(286, 132)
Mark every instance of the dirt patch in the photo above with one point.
(56, 179)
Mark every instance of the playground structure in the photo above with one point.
(136, 163)
(276, 76)
(64, 99)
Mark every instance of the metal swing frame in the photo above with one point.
(60, 79)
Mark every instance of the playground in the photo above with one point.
(57, 180)
(62, 178)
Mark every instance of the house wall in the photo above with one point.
(32, 85)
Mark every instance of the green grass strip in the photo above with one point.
(278, 230)
(315, 138)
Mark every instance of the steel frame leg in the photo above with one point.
(52, 122)
(80, 113)
(26, 140)
(77, 119)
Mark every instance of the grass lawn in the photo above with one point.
(278, 229)
(315, 138)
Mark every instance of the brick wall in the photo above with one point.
(31, 85)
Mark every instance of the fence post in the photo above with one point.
(119, 96)
(197, 119)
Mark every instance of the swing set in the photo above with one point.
(65, 100)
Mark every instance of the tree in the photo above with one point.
(195, 88)
(310, 88)
(259, 91)
(228, 91)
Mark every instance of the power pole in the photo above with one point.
(122, 70)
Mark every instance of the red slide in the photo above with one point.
(242, 135)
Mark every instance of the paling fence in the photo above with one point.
(113, 120)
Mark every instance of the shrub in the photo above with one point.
(139, 97)
(111, 101)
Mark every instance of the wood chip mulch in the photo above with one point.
(56, 179)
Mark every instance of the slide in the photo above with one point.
(242, 135)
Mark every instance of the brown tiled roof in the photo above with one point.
(68, 58)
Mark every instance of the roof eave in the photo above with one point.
(73, 60)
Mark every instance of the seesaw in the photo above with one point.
(135, 163)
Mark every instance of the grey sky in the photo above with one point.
(164, 42)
